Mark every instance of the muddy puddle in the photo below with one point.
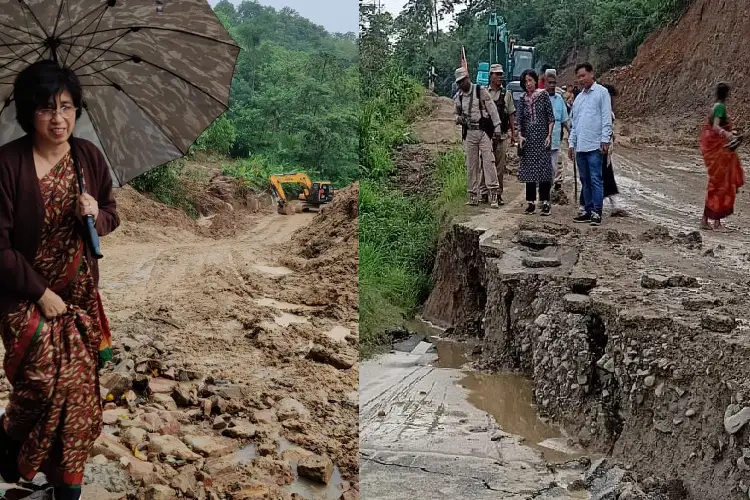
(338, 333)
(303, 487)
(423, 328)
(283, 306)
(452, 354)
(508, 398)
(286, 319)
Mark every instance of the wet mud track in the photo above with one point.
(421, 436)
(668, 187)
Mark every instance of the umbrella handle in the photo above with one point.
(92, 237)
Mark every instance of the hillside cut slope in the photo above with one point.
(678, 67)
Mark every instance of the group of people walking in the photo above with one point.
(491, 120)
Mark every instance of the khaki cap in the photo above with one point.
(497, 68)
(461, 74)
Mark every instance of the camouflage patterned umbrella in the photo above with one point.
(155, 73)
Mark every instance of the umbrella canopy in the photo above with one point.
(156, 74)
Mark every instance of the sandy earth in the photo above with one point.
(219, 340)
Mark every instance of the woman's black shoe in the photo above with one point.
(546, 208)
(530, 209)
(63, 493)
(9, 450)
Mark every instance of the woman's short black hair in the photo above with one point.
(532, 74)
(722, 91)
(38, 85)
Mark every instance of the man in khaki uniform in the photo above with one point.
(469, 108)
(506, 109)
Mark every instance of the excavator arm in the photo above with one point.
(298, 178)
(313, 194)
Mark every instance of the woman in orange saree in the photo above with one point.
(52, 321)
(725, 173)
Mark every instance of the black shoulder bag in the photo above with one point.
(485, 122)
(92, 237)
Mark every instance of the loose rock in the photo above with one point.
(635, 254)
(171, 446)
(534, 262)
(211, 446)
(160, 492)
(536, 239)
(718, 323)
(316, 468)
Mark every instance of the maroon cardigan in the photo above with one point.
(22, 216)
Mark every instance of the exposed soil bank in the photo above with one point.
(634, 339)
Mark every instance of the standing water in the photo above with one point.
(507, 397)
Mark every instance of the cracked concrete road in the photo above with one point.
(419, 437)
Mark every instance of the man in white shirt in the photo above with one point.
(590, 136)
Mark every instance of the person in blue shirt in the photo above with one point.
(562, 121)
(590, 136)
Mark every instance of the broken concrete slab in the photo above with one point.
(535, 262)
(536, 239)
(576, 303)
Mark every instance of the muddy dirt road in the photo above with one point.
(235, 377)
(420, 436)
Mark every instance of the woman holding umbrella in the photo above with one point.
(51, 317)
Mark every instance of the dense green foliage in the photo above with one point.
(294, 98)
(293, 107)
(397, 234)
(610, 30)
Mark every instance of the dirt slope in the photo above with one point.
(218, 347)
(676, 70)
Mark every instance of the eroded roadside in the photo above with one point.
(634, 334)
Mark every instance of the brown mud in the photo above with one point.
(235, 373)
(674, 75)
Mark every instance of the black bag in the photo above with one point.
(503, 112)
(485, 122)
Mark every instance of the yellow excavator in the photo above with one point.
(313, 195)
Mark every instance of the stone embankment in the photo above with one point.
(635, 339)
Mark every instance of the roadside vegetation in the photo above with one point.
(608, 33)
(398, 234)
(293, 107)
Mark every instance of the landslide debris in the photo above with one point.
(674, 75)
(325, 254)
